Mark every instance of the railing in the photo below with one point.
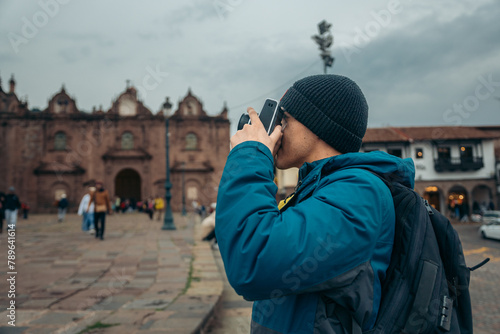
(458, 164)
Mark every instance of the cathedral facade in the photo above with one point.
(45, 153)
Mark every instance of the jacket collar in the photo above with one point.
(310, 174)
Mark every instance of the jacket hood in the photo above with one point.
(388, 166)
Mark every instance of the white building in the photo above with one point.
(454, 166)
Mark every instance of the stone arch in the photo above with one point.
(57, 189)
(481, 196)
(434, 196)
(458, 201)
(128, 185)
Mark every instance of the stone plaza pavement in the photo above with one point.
(139, 279)
(143, 280)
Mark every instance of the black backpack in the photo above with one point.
(426, 289)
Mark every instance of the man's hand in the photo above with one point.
(257, 132)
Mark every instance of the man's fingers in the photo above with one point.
(275, 139)
(254, 117)
(276, 134)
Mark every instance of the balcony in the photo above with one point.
(458, 164)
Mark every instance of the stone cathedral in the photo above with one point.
(61, 149)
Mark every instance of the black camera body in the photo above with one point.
(270, 116)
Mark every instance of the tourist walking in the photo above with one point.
(159, 207)
(62, 207)
(117, 204)
(102, 205)
(25, 208)
(87, 212)
(12, 205)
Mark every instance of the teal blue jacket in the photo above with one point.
(324, 253)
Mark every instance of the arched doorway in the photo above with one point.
(433, 196)
(128, 185)
(482, 199)
(458, 202)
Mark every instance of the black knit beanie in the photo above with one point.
(332, 107)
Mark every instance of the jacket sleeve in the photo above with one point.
(91, 200)
(267, 253)
(82, 205)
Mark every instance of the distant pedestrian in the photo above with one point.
(483, 207)
(159, 207)
(102, 206)
(128, 208)
(117, 204)
(133, 204)
(196, 207)
(87, 212)
(203, 212)
(212, 208)
(12, 205)
(25, 209)
(62, 207)
(2, 210)
(475, 208)
(150, 207)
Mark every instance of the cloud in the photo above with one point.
(413, 75)
(92, 38)
(72, 55)
(426, 59)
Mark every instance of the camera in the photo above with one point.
(270, 115)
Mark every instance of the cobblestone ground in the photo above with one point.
(484, 287)
(67, 279)
(234, 313)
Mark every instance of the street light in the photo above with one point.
(183, 190)
(168, 221)
(324, 41)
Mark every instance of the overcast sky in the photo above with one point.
(418, 62)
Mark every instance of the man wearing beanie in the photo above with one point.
(315, 262)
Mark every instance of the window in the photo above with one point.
(466, 153)
(444, 153)
(60, 141)
(419, 153)
(61, 105)
(127, 141)
(397, 152)
(192, 193)
(191, 142)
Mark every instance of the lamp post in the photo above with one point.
(168, 221)
(183, 190)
